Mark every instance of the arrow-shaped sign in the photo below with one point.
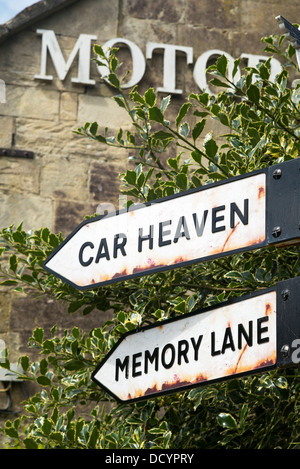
(255, 333)
(293, 34)
(242, 213)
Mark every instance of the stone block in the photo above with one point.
(169, 11)
(34, 211)
(141, 31)
(20, 58)
(104, 183)
(103, 110)
(6, 130)
(31, 102)
(29, 312)
(64, 178)
(50, 312)
(5, 309)
(259, 17)
(19, 175)
(53, 139)
(68, 106)
(214, 14)
(69, 214)
(86, 17)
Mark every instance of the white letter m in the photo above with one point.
(83, 46)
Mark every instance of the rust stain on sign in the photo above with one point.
(261, 192)
(229, 236)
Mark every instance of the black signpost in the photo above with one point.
(292, 33)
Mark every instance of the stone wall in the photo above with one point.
(69, 176)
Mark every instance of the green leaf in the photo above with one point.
(223, 118)
(113, 63)
(211, 148)
(101, 139)
(120, 101)
(282, 382)
(150, 97)
(24, 362)
(137, 98)
(93, 438)
(74, 306)
(46, 232)
(182, 113)
(53, 240)
(43, 366)
(113, 80)
(234, 274)
(94, 128)
(156, 115)
(9, 282)
(165, 103)
(135, 420)
(215, 175)
(181, 181)
(192, 300)
(217, 82)
(227, 421)
(72, 365)
(46, 427)
(43, 381)
(197, 156)
(272, 90)
(184, 129)
(57, 437)
(98, 50)
(18, 237)
(11, 432)
(180, 307)
(38, 335)
(121, 316)
(162, 135)
(198, 128)
(222, 64)
(173, 163)
(253, 94)
(88, 309)
(30, 443)
(264, 72)
(235, 67)
(130, 177)
(75, 333)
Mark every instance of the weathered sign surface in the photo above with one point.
(237, 338)
(238, 214)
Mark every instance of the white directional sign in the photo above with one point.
(252, 334)
(173, 231)
(192, 350)
(219, 219)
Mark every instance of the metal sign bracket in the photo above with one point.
(283, 203)
(288, 323)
